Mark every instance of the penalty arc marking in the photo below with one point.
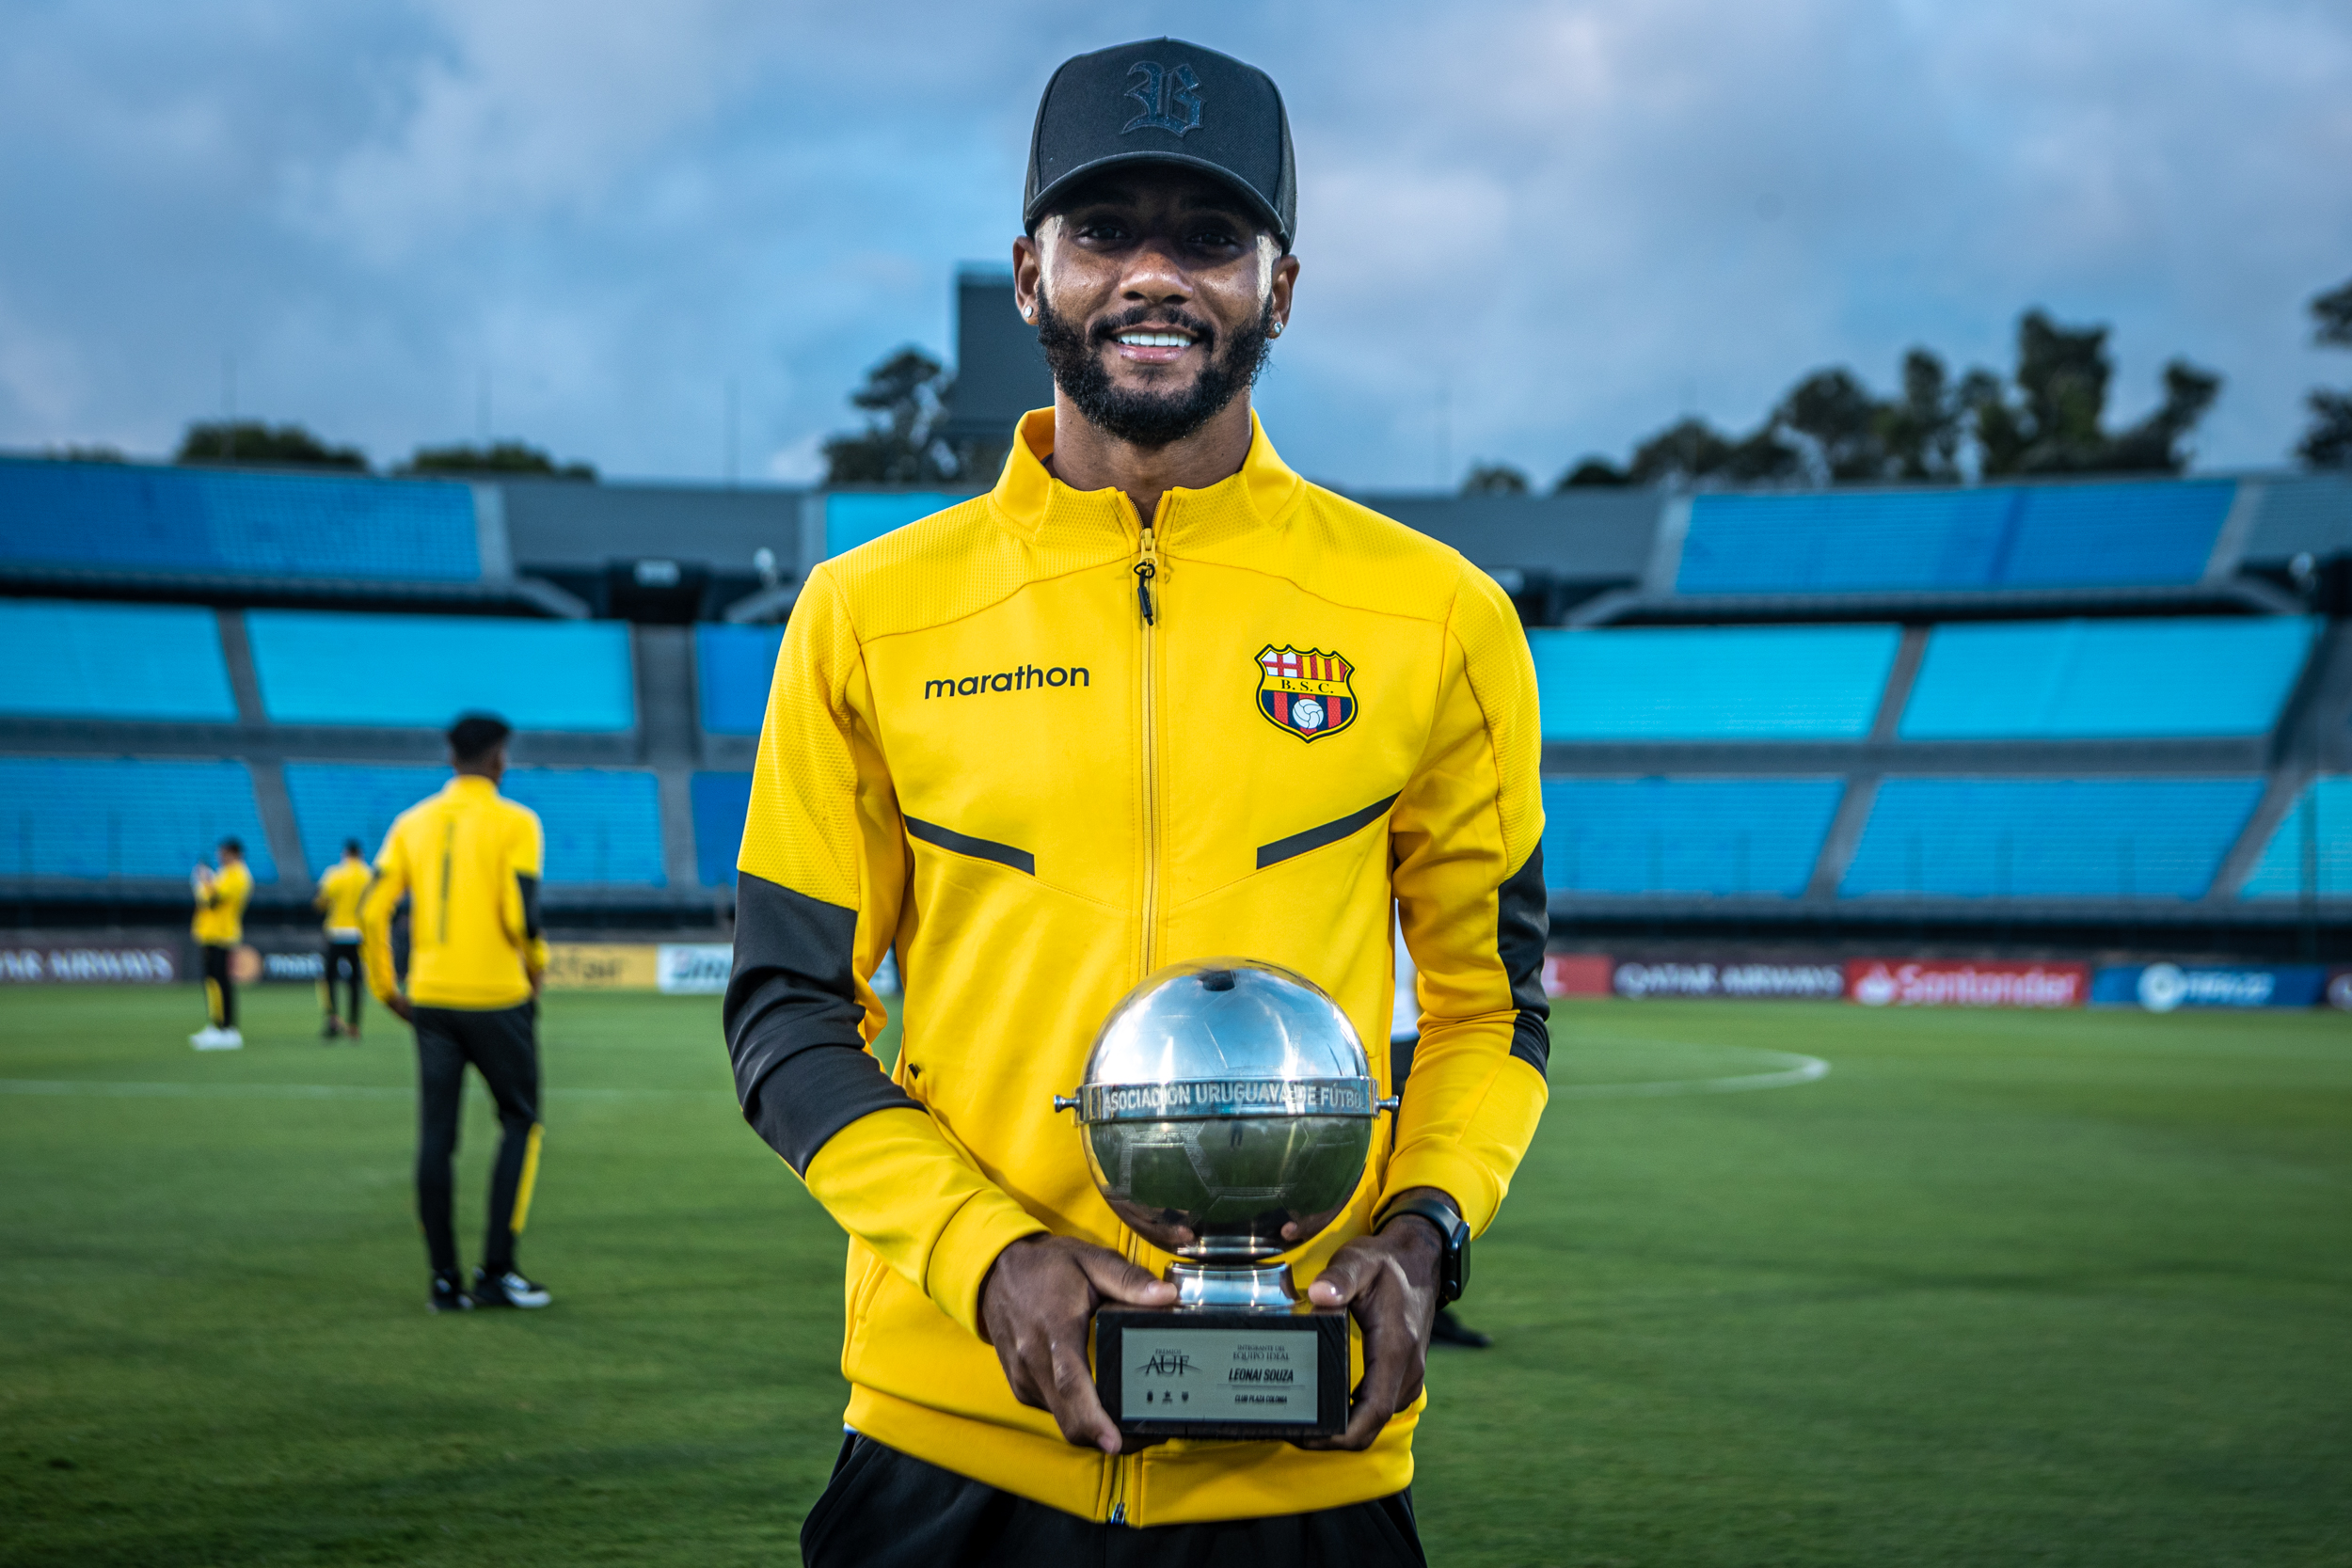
(1797, 1069)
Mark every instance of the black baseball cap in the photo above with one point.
(1163, 101)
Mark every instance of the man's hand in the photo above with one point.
(1389, 1282)
(1034, 1310)
(401, 1008)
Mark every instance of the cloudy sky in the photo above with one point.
(1528, 231)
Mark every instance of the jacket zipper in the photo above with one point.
(1148, 605)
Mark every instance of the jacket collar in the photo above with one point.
(468, 783)
(1035, 504)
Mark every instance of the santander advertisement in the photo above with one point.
(1965, 983)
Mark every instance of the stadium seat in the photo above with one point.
(603, 825)
(2068, 679)
(1713, 836)
(106, 818)
(1954, 538)
(144, 517)
(326, 667)
(720, 803)
(118, 661)
(2324, 809)
(2048, 839)
(734, 666)
(853, 518)
(1712, 682)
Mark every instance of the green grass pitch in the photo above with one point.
(2001, 1289)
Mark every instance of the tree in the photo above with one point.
(500, 457)
(1840, 422)
(905, 397)
(2054, 424)
(1495, 479)
(2328, 444)
(1920, 430)
(1592, 472)
(249, 443)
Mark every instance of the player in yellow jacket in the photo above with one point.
(1154, 697)
(341, 888)
(467, 862)
(218, 928)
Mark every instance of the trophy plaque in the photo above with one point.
(1227, 1114)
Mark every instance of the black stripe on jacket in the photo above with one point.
(801, 1069)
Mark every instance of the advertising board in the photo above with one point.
(2162, 987)
(1577, 975)
(1965, 983)
(602, 966)
(693, 968)
(87, 964)
(1731, 980)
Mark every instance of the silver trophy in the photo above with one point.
(1227, 1114)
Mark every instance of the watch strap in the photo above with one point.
(1453, 1231)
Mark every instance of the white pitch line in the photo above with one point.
(1807, 1069)
(299, 1091)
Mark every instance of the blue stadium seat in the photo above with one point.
(328, 668)
(142, 518)
(113, 661)
(74, 817)
(1722, 836)
(2082, 679)
(603, 825)
(2049, 838)
(854, 516)
(2325, 810)
(734, 666)
(1954, 538)
(1713, 683)
(720, 803)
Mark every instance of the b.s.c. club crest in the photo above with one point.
(1306, 692)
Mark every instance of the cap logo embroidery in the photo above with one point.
(1162, 91)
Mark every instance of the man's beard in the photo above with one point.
(1151, 419)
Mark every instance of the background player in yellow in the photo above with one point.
(340, 890)
(218, 927)
(1154, 697)
(467, 861)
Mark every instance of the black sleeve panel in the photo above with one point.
(801, 1069)
(1522, 924)
(530, 889)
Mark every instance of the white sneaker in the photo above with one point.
(210, 1038)
(231, 1040)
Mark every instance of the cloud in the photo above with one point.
(1528, 231)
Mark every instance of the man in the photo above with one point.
(340, 890)
(218, 927)
(467, 862)
(1153, 698)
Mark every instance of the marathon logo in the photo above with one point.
(1028, 678)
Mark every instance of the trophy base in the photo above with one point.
(1223, 1372)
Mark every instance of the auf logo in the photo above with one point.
(1161, 92)
(1168, 1363)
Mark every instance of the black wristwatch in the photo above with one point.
(1452, 1229)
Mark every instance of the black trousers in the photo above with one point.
(884, 1509)
(220, 992)
(503, 1047)
(342, 963)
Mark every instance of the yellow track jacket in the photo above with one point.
(220, 914)
(467, 862)
(1044, 751)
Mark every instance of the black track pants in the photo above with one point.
(220, 992)
(342, 963)
(502, 1046)
(884, 1509)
